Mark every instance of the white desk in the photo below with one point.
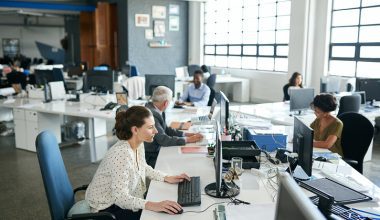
(254, 187)
(240, 87)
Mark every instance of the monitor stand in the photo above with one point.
(228, 190)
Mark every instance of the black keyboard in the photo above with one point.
(203, 118)
(341, 210)
(189, 192)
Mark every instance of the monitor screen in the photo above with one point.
(224, 112)
(98, 81)
(363, 98)
(292, 202)
(218, 160)
(300, 99)
(303, 144)
(46, 76)
(370, 86)
(75, 71)
(152, 81)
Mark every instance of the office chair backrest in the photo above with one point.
(211, 81)
(349, 103)
(357, 135)
(58, 188)
(16, 78)
(192, 68)
(211, 97)
(134, 71)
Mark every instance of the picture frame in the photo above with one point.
(173, 23)
(158, 11)
(142, 20)
(173, 9)
(159, 28)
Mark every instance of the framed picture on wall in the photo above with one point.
(148, 34)
(158, 12)
(173, 23)
(11, 46)
(159, 28)
(173, 9)
(142, 20)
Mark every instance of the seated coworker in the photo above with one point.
(119, 183)
(197, 93)
(327, 128)
(166, 135)
(294, 82)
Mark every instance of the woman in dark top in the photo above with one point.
(294, 82)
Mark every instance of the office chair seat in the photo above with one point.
(349, 103)
(59, 191)
(357, 135)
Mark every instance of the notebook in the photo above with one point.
(193, 150)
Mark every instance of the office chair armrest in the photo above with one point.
(351, 162)
(84, 187)
(97, 215)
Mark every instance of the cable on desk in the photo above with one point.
(205, 208)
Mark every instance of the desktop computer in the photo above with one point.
(224, 113)
(371, 87)
(98, 81)
(300, 99)
(152, 81)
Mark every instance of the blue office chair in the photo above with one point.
(192, 68)
(59, 191)
(134, 71)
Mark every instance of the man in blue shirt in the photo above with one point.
(197, 93)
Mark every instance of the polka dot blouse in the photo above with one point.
(120, 179)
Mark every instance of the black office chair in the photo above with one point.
(211, 97)
(59, 191)
(15, 77)
(349, 103)
(192, 68)
(357, 135)
(211, 81)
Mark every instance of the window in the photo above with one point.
(247, 34)
(354, 40)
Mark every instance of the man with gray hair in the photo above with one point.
(166, 135)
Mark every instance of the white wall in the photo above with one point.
(308, 47)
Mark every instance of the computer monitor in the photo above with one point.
(303, 144)
(370, 86)
(75, 71)
(300, 99)
(46, 76)
(219, 188)
(98, 81)
(224, 112)
(363, 98)
(292, 203)
(330, 84)
(152, 81)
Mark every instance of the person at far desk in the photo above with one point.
(197, 93)
(294, 82)
(118, 186)
(166, 135)
(327, 128)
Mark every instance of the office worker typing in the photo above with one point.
(197, 93)
(119, 183)
(166, 135)
(294, 82)
(327, 128)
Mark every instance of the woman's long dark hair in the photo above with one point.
(292, 80)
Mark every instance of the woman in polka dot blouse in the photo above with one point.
(119, 183)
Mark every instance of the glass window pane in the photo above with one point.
(234, 62)
(267, 10)
(268, 23)
(370, 16)
(370, 2)
(209, 60)
(282, 50)
(235, 50)
(266, 50)
(342, 68)
(283, 22)
(220, 27)
(283, 8)
(368, 69)
(221, 50)
(209, 49)
(235, 26)
(221, 38)
(250, 11)
(248, 62)
(340, 4)
(264, 63)
(344, 35)
(282, 37)
(235, 38)
(250, 37)
(281, 64)
(346, 17)
(250, 25)
(343, 51)
(210, 38)
(266, 37)
(370, 51)
(369, 34)
(249, 50)
(221, 61)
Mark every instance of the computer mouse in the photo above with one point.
(322, 159)
(180, 211)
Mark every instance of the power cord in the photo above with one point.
(205, 208)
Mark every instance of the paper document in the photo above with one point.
(194, 150)
(246, 212)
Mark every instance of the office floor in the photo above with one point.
(22, 194)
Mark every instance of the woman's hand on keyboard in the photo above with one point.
(194, 138)
(167, 206)
(176, 179)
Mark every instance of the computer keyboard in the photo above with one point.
(189, 192)
(341, 210)
(200, 119)
(345, 180)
